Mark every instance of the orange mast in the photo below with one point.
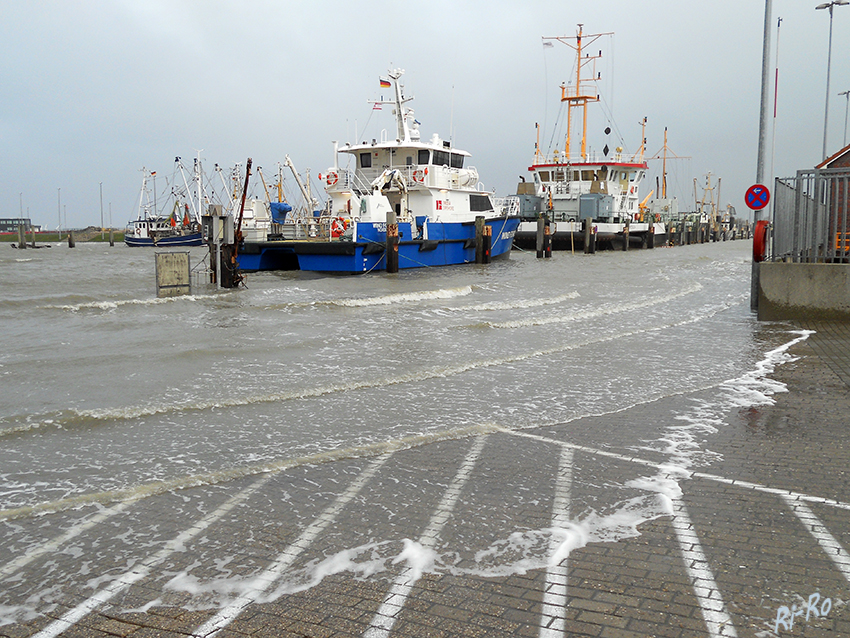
(583, 91)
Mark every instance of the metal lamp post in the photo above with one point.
(101, 211)
(828, 5)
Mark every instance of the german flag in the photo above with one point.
(385, 84)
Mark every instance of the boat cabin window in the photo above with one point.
(633, 176)
(424, 156)
(365, 160)
(587, 176)
(441, 158)
(408, 161)
(576, 176)
(544, 175)
(480, 203)
(457, 160)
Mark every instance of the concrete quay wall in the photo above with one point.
(803, 291)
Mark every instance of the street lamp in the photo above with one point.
(847, 95)
(101, 211)
(828, 5)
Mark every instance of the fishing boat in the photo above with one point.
(179, 228)
(424, 189)
(581, 190)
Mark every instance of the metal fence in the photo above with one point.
(811, 221)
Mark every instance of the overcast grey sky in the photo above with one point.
(93, 90)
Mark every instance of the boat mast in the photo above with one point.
(664, 168)
(200, 187)
(583, 91)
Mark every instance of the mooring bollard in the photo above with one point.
(392, 242)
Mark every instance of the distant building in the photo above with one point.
(10, 225)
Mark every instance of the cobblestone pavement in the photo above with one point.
(444, 539)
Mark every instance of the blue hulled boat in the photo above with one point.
(434, 197)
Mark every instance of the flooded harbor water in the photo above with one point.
(109, 388)
(112, 395)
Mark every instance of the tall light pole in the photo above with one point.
(846, 107)
(59, 210)
(101, 211)
(828, 5)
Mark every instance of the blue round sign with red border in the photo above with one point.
(757, 196)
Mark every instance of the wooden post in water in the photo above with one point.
(487, 238)
(22, 239)
(111, 237)
(71, 242)
(32, 234)
(588, 230)
(547, 239)
(392, 242)
(626, 236)
(479, 239)
(650, 235)
(541, 224)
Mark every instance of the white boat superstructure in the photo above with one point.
(414, 178)
(573, 184)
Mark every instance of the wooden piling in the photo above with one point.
(228, 266)
(587, 230)
(111, 237)
(650, 235)
(22, 239)
(547, 239)
(71, 242)
(541, 225)
(479, 239)
(626, 236)
(32, 234)
(392, 242)
(487, 239)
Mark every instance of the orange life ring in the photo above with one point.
(331, 178)
(337, 227)
(419, 175)
(760, 240)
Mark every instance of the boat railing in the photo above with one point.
(415, 176)
(593, 157)
(508, 206)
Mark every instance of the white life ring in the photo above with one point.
(331, 178)
(138, 231)
(419, 175)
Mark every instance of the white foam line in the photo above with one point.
(385, 617)
(52, 545)
(144, 567)
(554, 608)
(717, 619)
(684, 473)
(227, 615)
(828, 543)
